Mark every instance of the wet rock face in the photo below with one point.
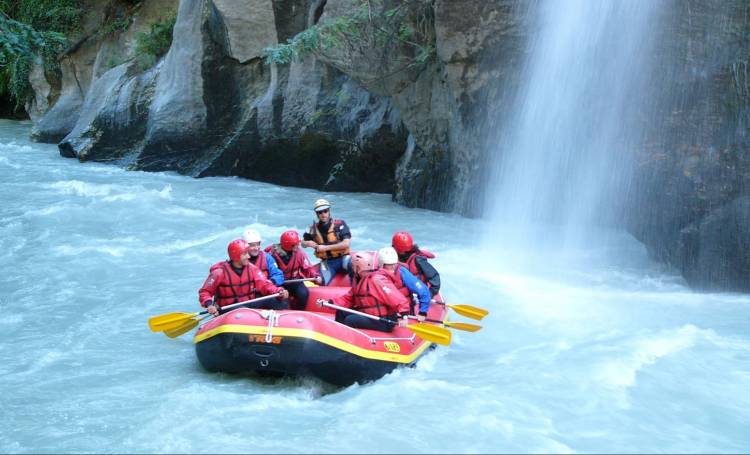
(212, 107)
(112, 122)
(319, 129)
(89, 58)
(177, 132)
(713, 252)
(694, 171)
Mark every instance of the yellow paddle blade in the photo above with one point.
(184, 328)
(432, 333)
(462, 326)
(169, 321)
(469, 311)
(310, 284)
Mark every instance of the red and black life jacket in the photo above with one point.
(295, 263)
(235, 288)
(411, 264)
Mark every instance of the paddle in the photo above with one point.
(174, 321)
(466, 310)
(427, 332)
(184, 328)
(299, 280)
(454, 325)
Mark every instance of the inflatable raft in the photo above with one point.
(307, 343)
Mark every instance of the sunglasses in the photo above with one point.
(322, 211)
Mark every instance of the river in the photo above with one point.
(598, 350)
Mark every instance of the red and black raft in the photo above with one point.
(307, 343)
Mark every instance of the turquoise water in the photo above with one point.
(596, 351)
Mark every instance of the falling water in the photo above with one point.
(564, 152)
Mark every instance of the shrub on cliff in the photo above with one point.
(395, 28)
(152, 45)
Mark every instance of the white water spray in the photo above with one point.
(565, 154)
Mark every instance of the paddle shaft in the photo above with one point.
(235, 305)
(426, 320)
(297, 280)
(349, 310)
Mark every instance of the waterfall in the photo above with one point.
(565, 150)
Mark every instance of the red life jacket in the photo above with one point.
(411, 264)
(295, 265)
(260, 262)
(235, 288)
(401, 287)
(370, 298)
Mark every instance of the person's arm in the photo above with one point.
(266, 286)
(393, 299)
(308, 270)
(274, 272)
(308, 241)
(207, 292)
(344, 300)
(342, 233)
(416, 287)
(342, 245)
(431, 275)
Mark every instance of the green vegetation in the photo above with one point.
(151, 45)
(320, 37)
(32, 30)
(114, 26)
(63, 16)
(372, 25)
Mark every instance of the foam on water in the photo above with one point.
(646, 351)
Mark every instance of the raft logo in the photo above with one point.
(262, 339)
(390, 346)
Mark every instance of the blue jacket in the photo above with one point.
(274, 272)
(415, 286)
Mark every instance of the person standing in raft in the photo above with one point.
(264, 261)
(415, 259)
(236, 280)
(294, 263)
(406, 283)
(331, 239)
(374, 292)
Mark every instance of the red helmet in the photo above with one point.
(289, 240)
(364, 261)
(236, 248)
(402, 242)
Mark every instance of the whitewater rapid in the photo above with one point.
(598, 351)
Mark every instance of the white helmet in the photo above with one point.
(251, 236)
(387, 255)
(321, 204)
